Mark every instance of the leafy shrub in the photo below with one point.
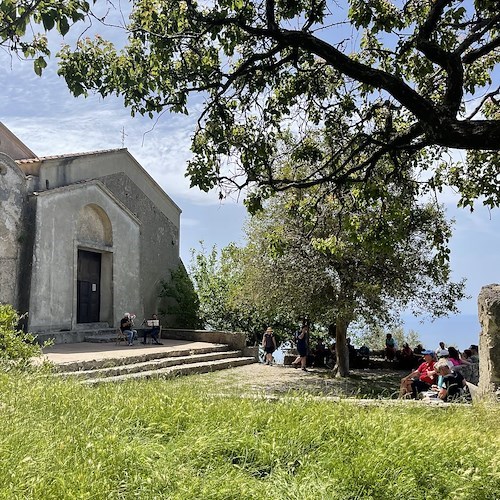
(15, 345)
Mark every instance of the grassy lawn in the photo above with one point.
(176, 439)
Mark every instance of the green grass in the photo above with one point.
(169, 439)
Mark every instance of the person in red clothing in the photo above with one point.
(420, 379)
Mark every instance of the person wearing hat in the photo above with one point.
(269, 345)
(421, 379)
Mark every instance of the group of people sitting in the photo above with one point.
(439, 377)
(323, 355)
(127, 328)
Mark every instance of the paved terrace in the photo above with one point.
(89, 351)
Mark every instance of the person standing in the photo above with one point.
(301, 339)
(269, 345)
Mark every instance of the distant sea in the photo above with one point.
(460, 331)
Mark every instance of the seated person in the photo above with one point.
(154, 329)
(320, 353)
(331, 356)
(407, 359)
(466, 356)
(453, 382)
(390, 347)
(418, 349)
(474, 353)
(454, 357)
(421, 379)
(126, 324)
(364, 351)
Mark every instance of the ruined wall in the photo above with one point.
(13, 197)
(489, 340)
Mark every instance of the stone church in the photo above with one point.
(84, 237)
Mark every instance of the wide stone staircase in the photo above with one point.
(155, 365)
(98, 358)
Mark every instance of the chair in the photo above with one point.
(120, 336)
(151, 337)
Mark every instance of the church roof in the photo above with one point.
(68, 155)
(13, 146)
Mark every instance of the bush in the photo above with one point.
(16, 346)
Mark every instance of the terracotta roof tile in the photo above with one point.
(69, 155)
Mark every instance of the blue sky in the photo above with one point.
(42, 113)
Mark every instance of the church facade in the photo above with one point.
(83, 237)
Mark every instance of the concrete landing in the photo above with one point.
(111, 362)
(61, 354)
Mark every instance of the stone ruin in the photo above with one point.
(489, 341)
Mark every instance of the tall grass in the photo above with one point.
(162, 439)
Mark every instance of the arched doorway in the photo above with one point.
(94, 265)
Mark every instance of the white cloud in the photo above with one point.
(42, 113)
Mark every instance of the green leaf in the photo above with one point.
(39, 64)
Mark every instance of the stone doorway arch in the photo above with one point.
(94, 294)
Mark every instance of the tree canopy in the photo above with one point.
(24, 25)
(226, 301)
(360, 259)
(383, 79)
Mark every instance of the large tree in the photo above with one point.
(365, 258)
(384, 78)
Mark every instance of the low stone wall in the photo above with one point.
(235, 340)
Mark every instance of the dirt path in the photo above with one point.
(279, 379)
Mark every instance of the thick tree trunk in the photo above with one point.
(342, 366)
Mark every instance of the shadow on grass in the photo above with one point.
(373, 384)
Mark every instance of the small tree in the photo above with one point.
(226, 302)
(16, 346)
(185, 305)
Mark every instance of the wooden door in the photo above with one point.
(88, 287)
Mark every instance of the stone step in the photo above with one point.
(73, 336)
(109, 335)
(151, 365)
(91, 326)
(173, 371)
(110, 362)
(101, 337)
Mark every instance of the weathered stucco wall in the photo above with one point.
(53, 286)
(159, 239)
(52, 207)
(132, 185)
(489, 340)
(13, 196)
(70, 169)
